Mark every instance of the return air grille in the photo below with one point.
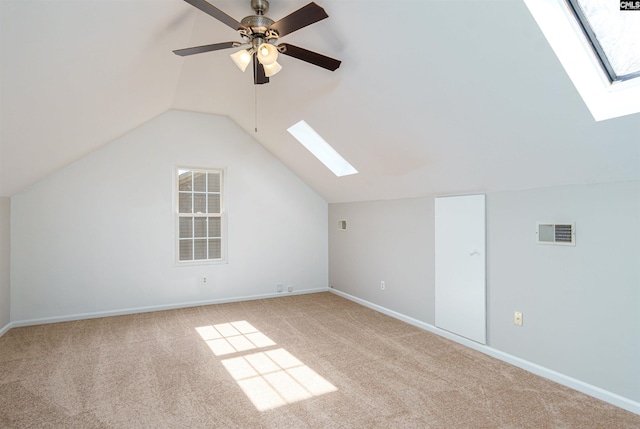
(556, 233)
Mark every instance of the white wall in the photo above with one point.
(5, 291)
(580, 304)
(390, 241)
(98, 236)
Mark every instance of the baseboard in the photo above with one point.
(135, 310)
(6, 328)
(565, 380)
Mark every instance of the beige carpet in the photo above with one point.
(307, 361)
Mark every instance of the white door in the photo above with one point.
(460, 265)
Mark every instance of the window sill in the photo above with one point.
(200, 263)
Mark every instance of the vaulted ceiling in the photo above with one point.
(433, 97)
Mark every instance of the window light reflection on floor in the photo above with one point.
(270, 378)
(227, 338)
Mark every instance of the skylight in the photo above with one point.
(322, 150)
(605, 98)
(614, 35)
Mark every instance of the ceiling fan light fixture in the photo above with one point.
(271, 69)
(267, 54)
(241, 58)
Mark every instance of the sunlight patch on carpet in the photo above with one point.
(234, 337)
(270, 378)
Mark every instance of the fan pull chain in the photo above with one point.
(255, 97)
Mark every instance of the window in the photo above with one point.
(613, 34)
(321, 149)
(200, 215)
(604, 99)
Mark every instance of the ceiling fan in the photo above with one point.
(260, 33)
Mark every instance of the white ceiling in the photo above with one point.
(432, 98)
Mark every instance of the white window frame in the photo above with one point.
(221, 215)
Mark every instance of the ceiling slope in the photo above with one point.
(433, 97)
(77, 74)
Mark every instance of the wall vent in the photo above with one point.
(563, 234)
(342, 225)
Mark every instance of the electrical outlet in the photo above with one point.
(290, 288)
(517, 318)
(279, 287)
(382, 285)
(203, 280)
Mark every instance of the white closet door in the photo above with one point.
(460, 265)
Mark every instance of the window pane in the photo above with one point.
(186, 227)
(200, 182)
(186, 250)
(215, 249)
(185, 203)
(214, 226)
(199, 203)
(200, 227)
(200, 249)
(617, 33)
(214, 182)
(184, 180)
(214, 203)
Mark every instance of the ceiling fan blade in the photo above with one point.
(206, 48)
(259, 77)
(302, 17)
(210, 9)
(309, 56)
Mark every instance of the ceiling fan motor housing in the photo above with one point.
(257, 23)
